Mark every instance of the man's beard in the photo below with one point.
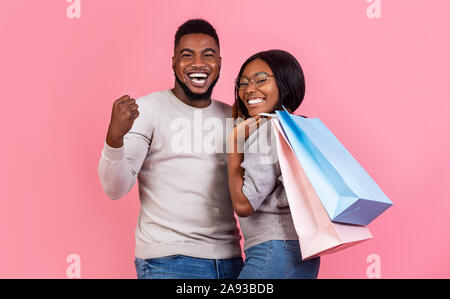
(196, 96)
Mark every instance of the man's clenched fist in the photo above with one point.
(124, 112)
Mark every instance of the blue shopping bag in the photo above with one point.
(346, 190)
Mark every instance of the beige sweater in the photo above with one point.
(183, 186)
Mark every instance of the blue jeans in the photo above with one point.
(186, 267)
(278, 260)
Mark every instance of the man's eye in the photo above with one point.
(186, 55)
(209, 55)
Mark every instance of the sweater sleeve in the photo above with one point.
(118, 168)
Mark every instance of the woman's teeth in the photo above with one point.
(255, 101)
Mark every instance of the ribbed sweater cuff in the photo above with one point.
(112, 153)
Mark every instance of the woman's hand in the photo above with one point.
(242, 131)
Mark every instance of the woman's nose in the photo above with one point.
(251, 88)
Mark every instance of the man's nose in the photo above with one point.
(198, 61)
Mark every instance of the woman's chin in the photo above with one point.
(254, 112)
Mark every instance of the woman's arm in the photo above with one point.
(240, 133)
(241, 205)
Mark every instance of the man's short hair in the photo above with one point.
(196, 26)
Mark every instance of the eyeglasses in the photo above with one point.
(258, 80)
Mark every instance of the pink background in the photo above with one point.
(381, 85)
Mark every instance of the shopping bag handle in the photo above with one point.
(273, 115)
(292, 113)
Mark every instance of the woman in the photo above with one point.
(266, 81)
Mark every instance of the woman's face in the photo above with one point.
(263, 98)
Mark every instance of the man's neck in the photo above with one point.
(180, 94)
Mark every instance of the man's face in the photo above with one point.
(196, 64)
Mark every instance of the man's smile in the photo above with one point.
(198, 79)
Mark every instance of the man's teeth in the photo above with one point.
(198, 75)
(255, 101)
(198, 78)
(198, 81)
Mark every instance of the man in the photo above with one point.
(186, 226)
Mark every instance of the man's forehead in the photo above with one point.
(196, 42)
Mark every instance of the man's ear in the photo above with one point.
(220, 62)
(173, 64)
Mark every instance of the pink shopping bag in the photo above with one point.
(318, 235)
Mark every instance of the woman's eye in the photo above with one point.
(259, 81)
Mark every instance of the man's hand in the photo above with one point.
(124, 112)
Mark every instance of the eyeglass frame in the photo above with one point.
(250, 80)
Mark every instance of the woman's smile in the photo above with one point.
(255, 101)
